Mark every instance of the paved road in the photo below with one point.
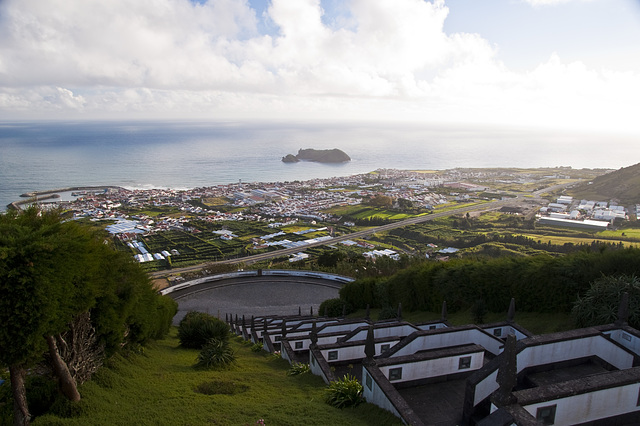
(492, 205)
(358, 234)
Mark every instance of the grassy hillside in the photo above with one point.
(160, 387)
(623, 185)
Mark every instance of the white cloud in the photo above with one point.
(389, 59)
(537, 3)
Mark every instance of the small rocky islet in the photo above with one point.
(318, 155)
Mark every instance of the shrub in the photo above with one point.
(335, 307)
(298, 368)
(215, 354)
(478, 311)
(257, 347)
(388, 313)
(41, 393)
(275, 355)
(197, 328)
(346, 392)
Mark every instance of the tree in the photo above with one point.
(51, 272)
(381, 201)
(404, 204)
(43, 280)
(330, 258)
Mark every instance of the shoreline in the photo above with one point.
(53, 193)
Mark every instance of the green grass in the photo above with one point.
(161, 387)
(440, 208)
(628, 233)
(558, 240)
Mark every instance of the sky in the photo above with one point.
(569, 64)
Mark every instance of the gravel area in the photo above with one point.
(256, 296)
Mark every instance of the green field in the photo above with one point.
(560, 240)
(621, 233)
(159, 388)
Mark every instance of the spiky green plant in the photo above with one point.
(215, 354)
(298, 368)
(345, 392)
(599, 305)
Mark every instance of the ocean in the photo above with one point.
(50, 155)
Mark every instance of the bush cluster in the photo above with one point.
(335, 308)
(196, 329)
(538, 283)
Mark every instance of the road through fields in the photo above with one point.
(358, 234)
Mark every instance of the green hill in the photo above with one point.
(160, 387)
(622, 185)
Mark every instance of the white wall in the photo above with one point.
(314, 366)
(592, 406)
(505, 330)
(345, 353)
(561, 351)
(382, 332)
(573, 349)
(485, 388)
(434, 367)
(375, 395)
(438, 325)
(342, 327)
(628, 340)
(452, 338)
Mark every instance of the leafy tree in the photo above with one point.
(127, 309)
(405, 204)
(51, 273)
(330, 258)
(380, 201)
(44, 270)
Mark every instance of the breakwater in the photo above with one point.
(50, 194)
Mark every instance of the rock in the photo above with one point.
(318, 155)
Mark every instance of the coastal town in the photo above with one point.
(301, 213)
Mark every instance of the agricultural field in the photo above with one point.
(626, 233)
(367, 212)
(559, 240)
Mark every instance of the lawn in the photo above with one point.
(159, 388)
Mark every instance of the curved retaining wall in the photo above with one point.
(256, 273)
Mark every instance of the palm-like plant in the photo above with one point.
(215, 354)
(345, 392)
(599, 305)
